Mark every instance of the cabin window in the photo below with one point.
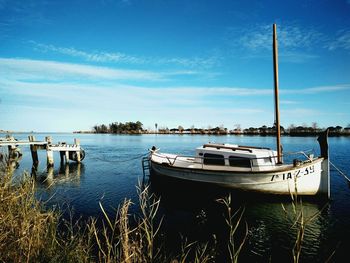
(213, 159)
(267, 160)
(239, 161)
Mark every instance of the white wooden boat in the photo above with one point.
(245, 168)
(250, 168)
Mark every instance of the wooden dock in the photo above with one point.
(67, 152)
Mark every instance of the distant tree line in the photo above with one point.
(119, 128)
(264, 130)
(298, 130)
(292, 130)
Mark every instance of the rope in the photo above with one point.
(121, 161)
(340, 172)
(299, 152)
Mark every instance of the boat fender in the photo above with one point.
(16, 154)
(74, 157)
(296, 162)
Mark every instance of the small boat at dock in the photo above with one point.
(248, 168)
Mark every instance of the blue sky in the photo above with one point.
(68, 65)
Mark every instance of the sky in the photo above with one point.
(69, 65)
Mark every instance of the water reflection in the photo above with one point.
(273, 221)
(67, 173)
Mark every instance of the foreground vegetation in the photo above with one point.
(30, 232)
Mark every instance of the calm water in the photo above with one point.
(112, 168)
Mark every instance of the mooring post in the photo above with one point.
(77, 143)
(50, 161)
(49, 152)
(67, 156)
(33, 150)
(48, 139)
(62, 156)
(11, 150)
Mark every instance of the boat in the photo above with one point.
(248, 168)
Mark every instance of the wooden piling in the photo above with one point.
(10, 151)
(77, 143)
(67, 156)
(62, 156)
(50, 161)
(49, 153)
(48, 139)
(33, 150)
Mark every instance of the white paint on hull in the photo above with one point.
(303, 180)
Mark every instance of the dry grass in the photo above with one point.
(118, 241)
(300, 222)
(22, 234)
(233, 220)
(29, 232)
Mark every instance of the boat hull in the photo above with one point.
(302, 180)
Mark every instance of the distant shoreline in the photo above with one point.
(292, 130)
(332, 133)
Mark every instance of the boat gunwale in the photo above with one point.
(286, 167)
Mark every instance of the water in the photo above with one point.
(112, 168)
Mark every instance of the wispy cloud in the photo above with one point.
(118, 57)
(301, 112)
(323, 89)
(290, 37)
(92, 56)
(342, 41)
(288, 102)
(295, 43)
(66, 87)
(172, 105)
(16, 69)
(40, 69)
(313, 90)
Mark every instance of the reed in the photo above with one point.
(233, 221)
(202, 253)
(29, 232)
(120, 241)
(299, 221)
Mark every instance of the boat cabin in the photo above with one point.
(241, 157)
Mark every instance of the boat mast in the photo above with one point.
(277, 114)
